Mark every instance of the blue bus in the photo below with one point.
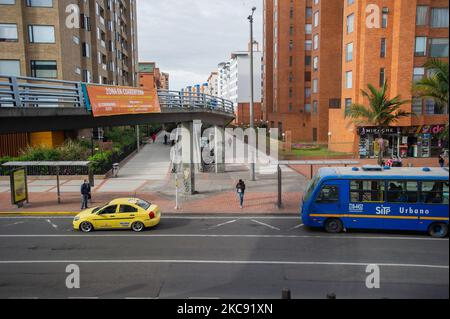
(414, 199)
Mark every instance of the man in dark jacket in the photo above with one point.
(85, 193)
(240, 188)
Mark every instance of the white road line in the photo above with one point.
(14, 224)
(169, 217)
(223, 224)
(296, 227)
(76, 298)
(343, 237)
(53, 225)
(266, 225)
(222, 262)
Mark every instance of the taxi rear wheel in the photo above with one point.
(334, 226)
(138, 227)
(86, 227)
(438, 230)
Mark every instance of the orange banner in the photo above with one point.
(122, 100)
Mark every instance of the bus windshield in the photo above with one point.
(311, 187)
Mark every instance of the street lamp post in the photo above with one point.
(252, 121)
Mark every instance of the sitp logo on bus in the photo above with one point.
(381, 210)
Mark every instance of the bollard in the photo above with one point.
(286, 294)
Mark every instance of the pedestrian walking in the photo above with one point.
(441, 160)
(166, 139)
(85, 194)
(240, 189)
(154, 138)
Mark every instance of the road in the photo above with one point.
(216, 257)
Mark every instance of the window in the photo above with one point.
(128, 209)
(316, 42)
(350, 23)
(108, 210)
(417, 106)
(308, 28)
(435, 193)
(419, 73)
(334, 103)
(40, 3)
(439, 18)
(348, 104)
(316, 63)
(316, 19)
(367, 191)
(349, 52)
(382, 77)
(403, 192)
(328, 195)
(308, 45)
(383, 48)
(308, 60)
(308, 76)
(422, 16)
(349, 79)
(307, 93)
(315, 107)
(10, 67)
(308, 12)
(421, 46)
(439, 48)
(43, 69)
(41, 34)
(7, 1)
(384, 19)
(315, 85)
(8, 33)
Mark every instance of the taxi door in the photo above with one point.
(127, 214)
(107, 218)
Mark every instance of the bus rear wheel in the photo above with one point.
(438, 230)
(334, 226)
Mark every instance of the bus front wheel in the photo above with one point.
(438, 230)
(334, 226)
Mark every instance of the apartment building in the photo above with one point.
(92, 41)
(287, 101)
(151, 76)
(213, 84)
(391, 45)
(319, 55)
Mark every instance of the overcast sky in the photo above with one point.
(189, 38)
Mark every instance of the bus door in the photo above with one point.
(328, 201)
(367, 207)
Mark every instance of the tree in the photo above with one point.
(435, 86)
(381, 111)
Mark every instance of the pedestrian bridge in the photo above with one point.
(34, 105)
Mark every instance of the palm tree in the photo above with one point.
(435, 86)
(381, 112)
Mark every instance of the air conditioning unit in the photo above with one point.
(385, 10)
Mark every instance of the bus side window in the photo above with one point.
(367, 191)
(328, 194)
(435, 193)
(403, 192)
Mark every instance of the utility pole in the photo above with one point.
(252, 97)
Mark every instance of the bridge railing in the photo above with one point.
(29, 92)
(35, 92)
(193, 100)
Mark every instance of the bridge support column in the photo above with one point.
(190, 156)
(219, 149)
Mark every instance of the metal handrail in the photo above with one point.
(20, 91)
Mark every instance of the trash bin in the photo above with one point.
(115, 170)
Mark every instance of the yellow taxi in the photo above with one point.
(123, 213)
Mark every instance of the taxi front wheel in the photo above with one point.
(138, 227)
(86, 227)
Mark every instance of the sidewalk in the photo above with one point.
(148, 176)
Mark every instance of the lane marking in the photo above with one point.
(266, 225)
(223, 262)
(296, 227)
(14, 224)
(223, 236)
(169, 217)
(53, 225)
(223, 224)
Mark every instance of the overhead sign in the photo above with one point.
(121, 100)
(19, 189)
